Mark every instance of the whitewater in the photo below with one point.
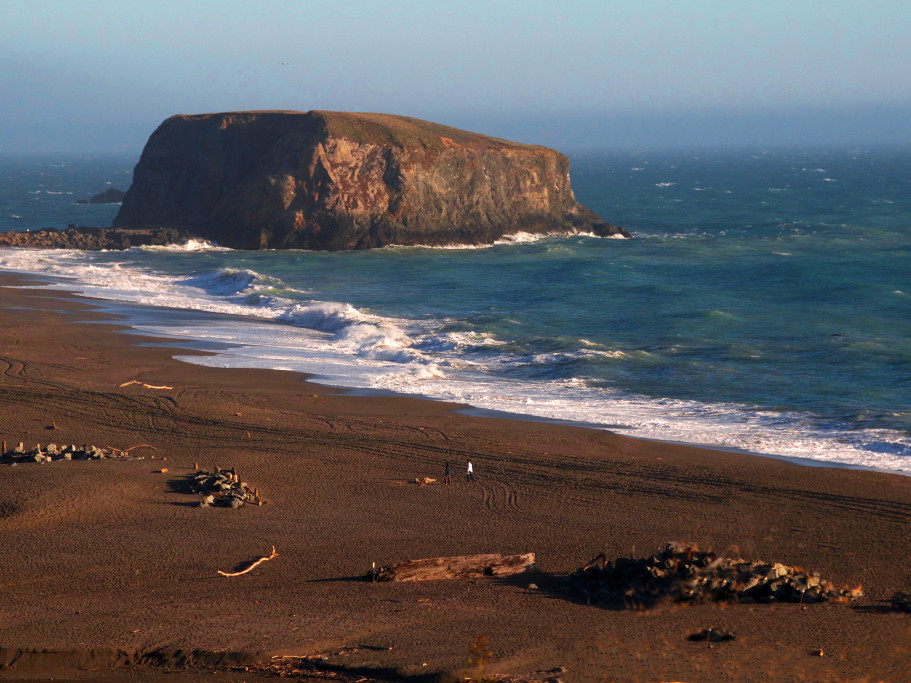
(762, 306)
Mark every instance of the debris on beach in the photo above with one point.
(223, 488)
(459, 567)
(253, 565)
(52, 453)
(712, 635)
(320, 665)
(147, 386)
(423, 481)
(684, 573)
(901, 602)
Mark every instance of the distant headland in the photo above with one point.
(337, 180)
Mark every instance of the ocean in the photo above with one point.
(764, 304)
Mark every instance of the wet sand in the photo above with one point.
(114, 556)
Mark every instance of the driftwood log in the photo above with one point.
(459, 567)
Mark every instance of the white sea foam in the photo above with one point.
(450, 247)
(521, 238)
(664, 184)
(189, 245)
(513, 238)
(349, 347)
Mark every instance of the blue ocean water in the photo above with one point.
(763, 304)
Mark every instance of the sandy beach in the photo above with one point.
(113, 561)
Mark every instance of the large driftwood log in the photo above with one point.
(460, 567)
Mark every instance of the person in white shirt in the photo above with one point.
(469, 476)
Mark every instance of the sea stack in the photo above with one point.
(338, 180)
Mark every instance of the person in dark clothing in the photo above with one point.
(447, 480)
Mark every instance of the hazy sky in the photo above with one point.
(95, 76)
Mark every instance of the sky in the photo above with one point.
(92, 77)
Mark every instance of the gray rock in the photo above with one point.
(236, 503)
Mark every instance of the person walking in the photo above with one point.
(447, 479)
(469, 475)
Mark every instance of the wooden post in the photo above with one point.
(4, 448)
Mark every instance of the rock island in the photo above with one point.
(338, 180)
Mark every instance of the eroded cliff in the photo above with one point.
(334, 180)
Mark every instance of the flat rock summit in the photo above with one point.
(338, 180)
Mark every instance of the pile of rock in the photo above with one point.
(93, 239)
(224, 488)
(53, 452)
(683, 573)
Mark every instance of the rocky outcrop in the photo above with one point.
(333, 180)
(93, 239)
(684, 573)
(109, 196)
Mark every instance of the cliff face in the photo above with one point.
(332, 180)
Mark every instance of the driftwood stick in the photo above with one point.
(127, 450)
(147, 386)
(266, 558)
(598, 560)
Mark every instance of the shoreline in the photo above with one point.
(334, 468)
(133, 314)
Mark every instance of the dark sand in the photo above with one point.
(110, 555)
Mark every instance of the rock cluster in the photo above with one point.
(224, 488)
(684, 573)
(52, 452)
(93, 239)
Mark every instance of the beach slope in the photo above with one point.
(115, 556)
